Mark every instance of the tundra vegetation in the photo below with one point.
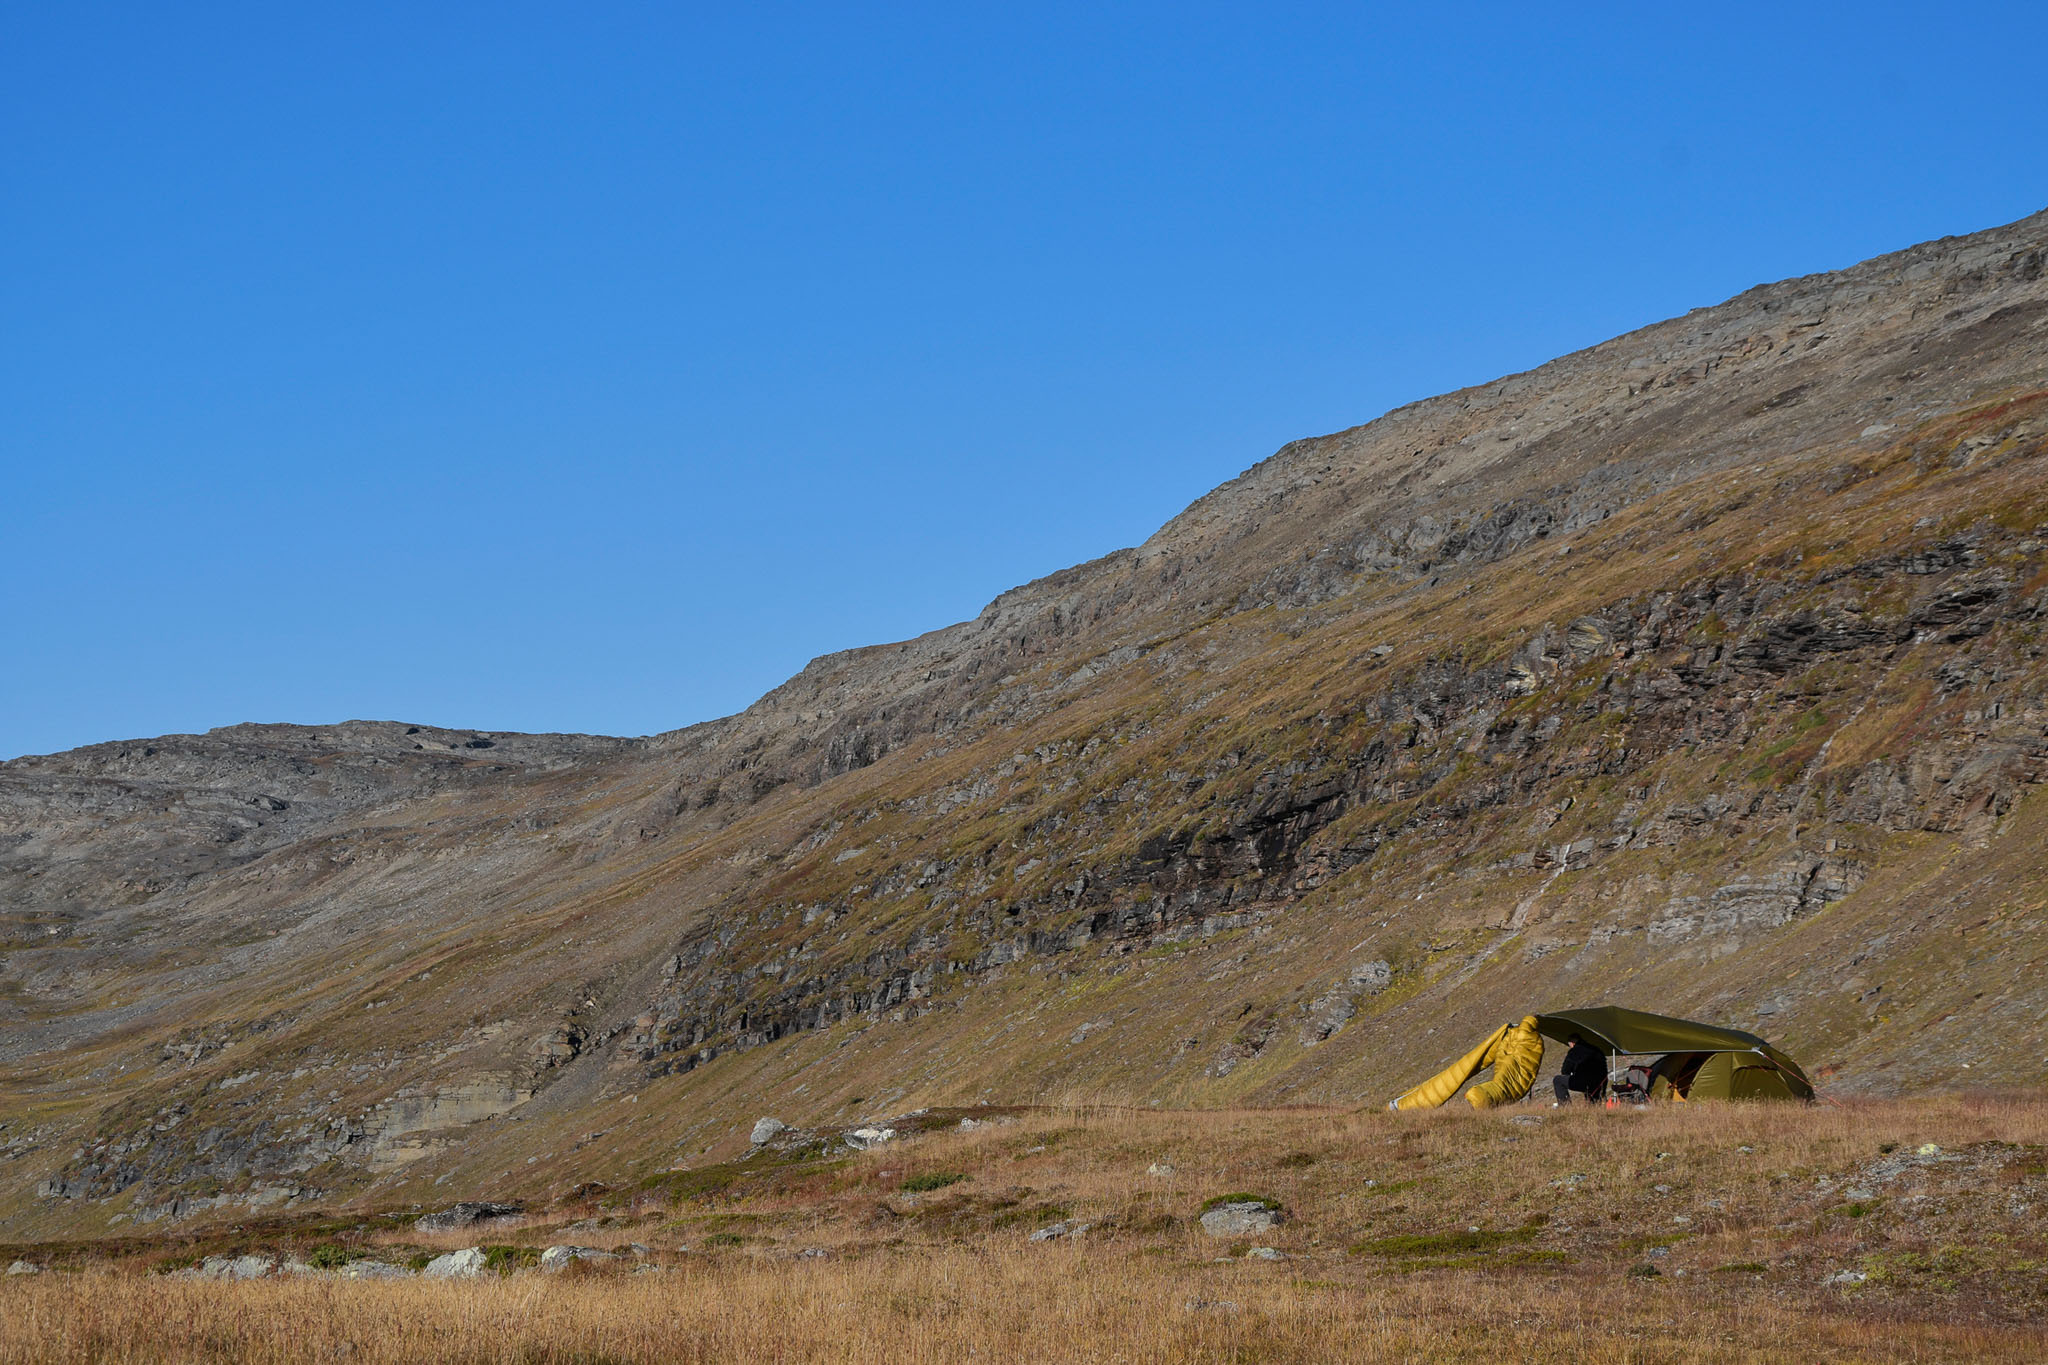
(1876, 1230)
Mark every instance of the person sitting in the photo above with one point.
(1584, 1070)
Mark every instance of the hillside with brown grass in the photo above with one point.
(1701, 671)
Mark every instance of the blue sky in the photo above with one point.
(591, 368)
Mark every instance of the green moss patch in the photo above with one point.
(1266, 1202)
(1415, 1244)
(504, 1259)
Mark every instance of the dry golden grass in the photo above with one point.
(1444, 1236)
(999, 1303)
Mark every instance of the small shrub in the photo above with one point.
(418, 1261)
(725, 1239)
(332, 1256)
(1644, 1271)
(931, 1180)
(506, 1259)
(1294, 1161)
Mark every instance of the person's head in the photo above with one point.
(1573, 1040)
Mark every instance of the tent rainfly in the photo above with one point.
(1699, 1061)
(1694, 1061)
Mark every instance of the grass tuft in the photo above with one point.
(1266, 1202)
(1441, 1243)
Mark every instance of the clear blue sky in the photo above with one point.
(592, 367)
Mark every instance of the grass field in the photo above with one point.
(1908, 1230)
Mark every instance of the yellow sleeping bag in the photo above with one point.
(1514, 1051)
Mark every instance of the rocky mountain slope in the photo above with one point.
(1699, 671)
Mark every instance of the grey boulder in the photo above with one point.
(560, 1258)
(1240, 1218)
(233, 1268)
(466, 1214)
(373, 1270)
(465, 1264)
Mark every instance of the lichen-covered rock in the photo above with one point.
(1240, 1218)
(467, 1214)
(561, 1257)
(373, 1270)
(233, 1268)
(465, 1264)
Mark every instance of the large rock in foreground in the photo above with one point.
(465, 1264)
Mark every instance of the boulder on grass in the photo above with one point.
(466, 1214)
(465, 1264)
(233, 1268)
(1240, 1218)
(560, 1258)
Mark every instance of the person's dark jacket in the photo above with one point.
(1584, 1068)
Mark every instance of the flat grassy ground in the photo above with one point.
(1901, 1230)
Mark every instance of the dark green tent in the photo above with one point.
(1699, 1061)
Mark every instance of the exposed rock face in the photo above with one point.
(1333, 1009)
(467, 1214)
(1718, 643)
